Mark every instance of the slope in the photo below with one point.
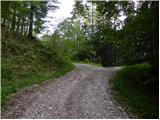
(25, 62)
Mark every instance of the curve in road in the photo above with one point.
(82, 93)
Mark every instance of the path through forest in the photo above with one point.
(81, 93)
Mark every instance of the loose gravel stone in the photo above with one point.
(82, 93)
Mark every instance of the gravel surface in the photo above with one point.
(81, 93)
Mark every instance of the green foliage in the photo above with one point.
(11, 87)
(63, 69)
(134, 94)
(21, 16)
(135, 42)
(67, 40)
(136, 73)
(110, 40)
(85, 52)
(88, 62)
(26, 62)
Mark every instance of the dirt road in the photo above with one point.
(81, 93)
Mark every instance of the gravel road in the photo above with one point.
(81, 93)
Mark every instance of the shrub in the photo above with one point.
(134, 94)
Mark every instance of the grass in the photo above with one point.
(88, 62)
(9, 88)
(25, 62)
(138, 97)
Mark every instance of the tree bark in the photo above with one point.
(22, 26)
(26, 30)
(13, 19)
(17, 29)
(31, 22)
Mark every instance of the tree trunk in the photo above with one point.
(13, 19)
(26, 30)
(22, 26)
(31, 22)
(17, 29)
(92, 22)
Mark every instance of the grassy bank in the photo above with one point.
(26, 61)
(87, 62)
(137, 91)
(9, 88)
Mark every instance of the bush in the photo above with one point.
(136, 74)
(131, 91)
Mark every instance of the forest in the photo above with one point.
(95, 34)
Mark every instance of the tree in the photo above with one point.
(31, 18)
(25, 17)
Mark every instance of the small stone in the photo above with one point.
(50, 108)
(56, 112)
(86, 113)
